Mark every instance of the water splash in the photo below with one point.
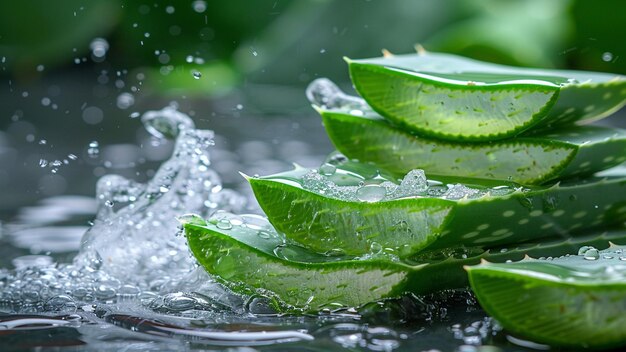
(143, 216)
(134, 249)
(374, 187)
(326, 94)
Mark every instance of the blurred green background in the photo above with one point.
(237, 43)
(77, 71)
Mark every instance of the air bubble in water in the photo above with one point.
(60, 303)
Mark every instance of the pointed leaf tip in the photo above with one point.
(317, 108)
(245, 176)
(386, 53)
(191, 219)
(419, 49)
(347, 59)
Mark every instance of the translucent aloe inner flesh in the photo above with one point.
(363, 214)
(455, 98)
(575, 300)
(527, 160)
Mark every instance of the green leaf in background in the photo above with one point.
(455, 98)
(342, 208)
(512, 32)
(576, 301)
(250, 257)
(534, 159)
(62, 31)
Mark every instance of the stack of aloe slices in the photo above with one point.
(455, 162)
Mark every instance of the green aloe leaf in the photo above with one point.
(354, 208)
(250, 257)
(455, 98)
(570, 151)
(574, 300)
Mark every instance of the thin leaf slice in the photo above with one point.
(455, 98)
(358, 209)
(250, 257)
(571, 151)
(575, 301)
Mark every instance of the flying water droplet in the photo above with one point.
(199, 6)
(93, 150)
(99, 48)
(196, 74)
(125, 101)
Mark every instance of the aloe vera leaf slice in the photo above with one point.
(455, 98)
(575, 150)
(324, 219)
(575, 301)
(258, 260)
